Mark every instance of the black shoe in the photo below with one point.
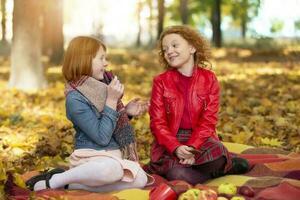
(239, 166)
(44, 176)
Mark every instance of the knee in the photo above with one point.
(176, 174)
(112, 171)
(141, 179)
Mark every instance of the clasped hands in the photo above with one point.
(185, 155)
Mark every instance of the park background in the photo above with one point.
(255, 54)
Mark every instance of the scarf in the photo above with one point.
(96, 92)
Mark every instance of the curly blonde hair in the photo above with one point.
(202, 54)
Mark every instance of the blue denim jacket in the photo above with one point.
(94, 130)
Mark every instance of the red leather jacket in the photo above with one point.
(166, 110)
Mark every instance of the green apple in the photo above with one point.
(191, 194)
(227, 188)
(222, 198)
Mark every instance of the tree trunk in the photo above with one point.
(149, 2)
(53, 40)
(3, 21)
(216, 23)
(26, 71)
(161, 14)
(184, 11)
(139, 10)
(243, 27)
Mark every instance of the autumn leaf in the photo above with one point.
(242, 137)
(274, 142)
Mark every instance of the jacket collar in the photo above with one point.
(175, 73)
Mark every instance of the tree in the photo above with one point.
(3, 21)
(52, 32)
(216, 23)
(184, 11)
(297, 25)
(161, 15)
(150, 20)
(26, 71)
(139, 10)
(243, 11)
(276, 26)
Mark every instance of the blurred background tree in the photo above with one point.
(52, 30)
(242, 12)
(276, 26)
(27, 71)
(297, 25)
(3, 21)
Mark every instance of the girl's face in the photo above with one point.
(99, 63)
(177, 51)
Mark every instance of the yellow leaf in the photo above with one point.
(242, 137)
(2, 172)
(19, 181)
(266, 102)
(272, 142)
(280, 121)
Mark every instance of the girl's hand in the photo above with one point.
(115, 91)
(135, 107)
(189, 161)
(184, 152)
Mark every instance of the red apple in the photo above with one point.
(181, 183)
(180, 186)
(246, 191)
(207, 194)
(201, 187)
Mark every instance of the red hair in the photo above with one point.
(78, 57)
(202, 54)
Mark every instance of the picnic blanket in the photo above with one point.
(274, 175)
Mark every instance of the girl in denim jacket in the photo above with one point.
(105, 157)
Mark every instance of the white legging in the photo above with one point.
(100, 175)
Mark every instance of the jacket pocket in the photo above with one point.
(169, 101)
(202, 100)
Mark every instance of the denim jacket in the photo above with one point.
(94, 130)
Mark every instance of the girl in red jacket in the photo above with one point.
(184, 110)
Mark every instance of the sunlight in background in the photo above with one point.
(287, 11)
(116, 20)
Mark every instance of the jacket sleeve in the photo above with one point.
(206, 124)
(99, 129)
(158, 119)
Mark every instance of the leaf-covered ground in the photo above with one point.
(260, 106)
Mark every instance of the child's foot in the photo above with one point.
(41, 181)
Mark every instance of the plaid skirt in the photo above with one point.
(211, 150)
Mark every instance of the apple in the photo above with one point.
(181, 183)
(196, 194)
(201, 187)
(222, 198)
(227, 188)
(238, 198)
(191, 194)
(207, 194)
(227, 196)
(246, 191)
